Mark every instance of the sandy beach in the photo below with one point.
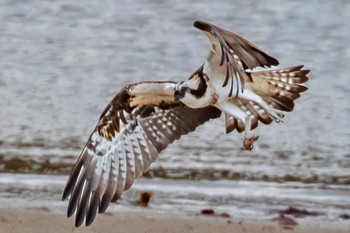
(42, 220)
(32, 203)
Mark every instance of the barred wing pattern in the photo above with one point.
(243, 50)
(237, 53)
(121, 148)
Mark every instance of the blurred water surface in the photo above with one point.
(61, 62)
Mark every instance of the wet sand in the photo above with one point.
(42, 220)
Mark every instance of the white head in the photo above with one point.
(193, 92)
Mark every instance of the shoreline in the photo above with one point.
(26, 199)
(43, 220)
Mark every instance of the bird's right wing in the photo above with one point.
(140, 122)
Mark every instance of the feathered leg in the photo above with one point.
(245, 122)
(249, 137)
(251, 96)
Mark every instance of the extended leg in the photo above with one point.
(237, 112)
(249, 136)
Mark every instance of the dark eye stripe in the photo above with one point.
(202, 87)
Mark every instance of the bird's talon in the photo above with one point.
(247, 148)
(248, 142)
(278, 120)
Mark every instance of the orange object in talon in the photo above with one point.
(248, 142)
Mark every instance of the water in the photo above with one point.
(61, 62)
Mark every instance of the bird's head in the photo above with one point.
(190, 91)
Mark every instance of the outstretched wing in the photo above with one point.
(236, 52)
(248, 53)
(140, 122)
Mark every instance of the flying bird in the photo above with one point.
(144, 118)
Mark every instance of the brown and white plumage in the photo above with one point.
(235, 54)
(246, 97)
(140, 122)
(144, 118)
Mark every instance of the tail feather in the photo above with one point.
(280, 87)
(281, 102)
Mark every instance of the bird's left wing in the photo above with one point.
(140, 122)
(233, 44)
(236, 52)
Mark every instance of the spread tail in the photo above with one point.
(279, 88)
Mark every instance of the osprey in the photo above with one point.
(144, 118)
